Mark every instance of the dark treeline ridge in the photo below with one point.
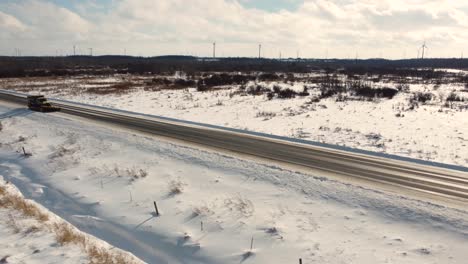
(97, 65)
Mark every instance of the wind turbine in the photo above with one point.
(214, 50)
(424, 48)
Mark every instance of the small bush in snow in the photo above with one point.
(133, 173)
(287, 93)
(305, 91)
(1, 126)
(453, 97)
(176, 187)
(257, 90)
(403, 87)
(266, 115)
(202, 211)
(61, 152)
(374, 136)
(422, 97)
(240, 205)
(268, 77)
(270, 95)
(368, 91)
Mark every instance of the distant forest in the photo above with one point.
(96, 65)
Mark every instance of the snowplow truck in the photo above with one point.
(40, 104)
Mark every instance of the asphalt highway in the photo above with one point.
(433, 179)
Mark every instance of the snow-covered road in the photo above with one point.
(105, 181)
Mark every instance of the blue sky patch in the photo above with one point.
(272, 5)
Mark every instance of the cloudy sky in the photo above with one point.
(314, 28)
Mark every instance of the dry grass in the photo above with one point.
(99, 255)
(8, 200)
(64, 232)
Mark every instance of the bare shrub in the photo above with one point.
(374, 136)
(176, 187)
(268, 77)
(453, 97)
(132, 173)
(266, 115)
(422, 97)
(257, 90)
(286, 94)
(368, 91)
(202, 211)
(64, 234)
(1, 126)
(61, 152)
(403, 87)
(240, 205)
(237, 92)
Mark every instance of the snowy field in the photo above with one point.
(420, 122)
(216, 208)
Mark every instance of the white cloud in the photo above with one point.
(154, 27)
(11, 23)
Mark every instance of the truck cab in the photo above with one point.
(40, 104)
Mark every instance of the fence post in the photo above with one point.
(156, 208)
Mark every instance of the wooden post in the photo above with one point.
(201, 225)
(156, 208)
(300, 261)
(25, 153)
(251, 244)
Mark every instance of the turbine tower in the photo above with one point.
(214, 50)
(259, 51)
(424, 48)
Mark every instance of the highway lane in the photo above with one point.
(426, 178)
